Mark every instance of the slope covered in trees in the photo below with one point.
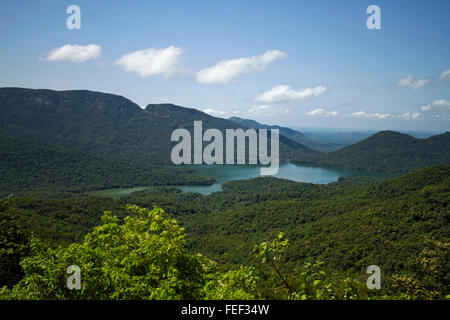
(106, 126)
(347, 226)
(31, 165)
(142, 258)
(400, 224)
(389, 151)
(310, 239)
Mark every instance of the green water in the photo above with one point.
(224, 173)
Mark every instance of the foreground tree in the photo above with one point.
(14, 246)
(141, 258)
(431, 277)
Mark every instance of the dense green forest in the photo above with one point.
(387, 151)
(331, 233)
(82, 140)
(107, 126)
(27, 165)
(122, 136)
(263, 238)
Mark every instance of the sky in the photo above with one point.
(292, 63)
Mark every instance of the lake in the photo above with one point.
(224, 173)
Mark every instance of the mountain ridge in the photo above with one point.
(105, 125)
(112, 127)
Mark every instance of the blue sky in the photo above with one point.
(293, 63)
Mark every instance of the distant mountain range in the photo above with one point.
(323, 142)
(288, 133)
(97, 140)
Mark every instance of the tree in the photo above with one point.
(14, 245)
(430, 279)
(141, 258)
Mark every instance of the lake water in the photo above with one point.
(224, 173)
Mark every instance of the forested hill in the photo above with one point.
(104, 125)
(391, 152)
(90, 122)
(32, 165)
(167, 117)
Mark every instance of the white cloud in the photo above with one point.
(152, 61)
(286, 93)
(411, 82)
(333, 113)
(409, 115)
(321, 112)
(315, 112)
(426, 107)
(363, 114)
(214, 113)
(226, 70)
(74, 53)
(441, 105)
(445, 75)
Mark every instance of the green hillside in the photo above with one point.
(31, 165)
(348, 225)
(391, 152)
(106, 126)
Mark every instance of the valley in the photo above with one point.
(67, 157)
